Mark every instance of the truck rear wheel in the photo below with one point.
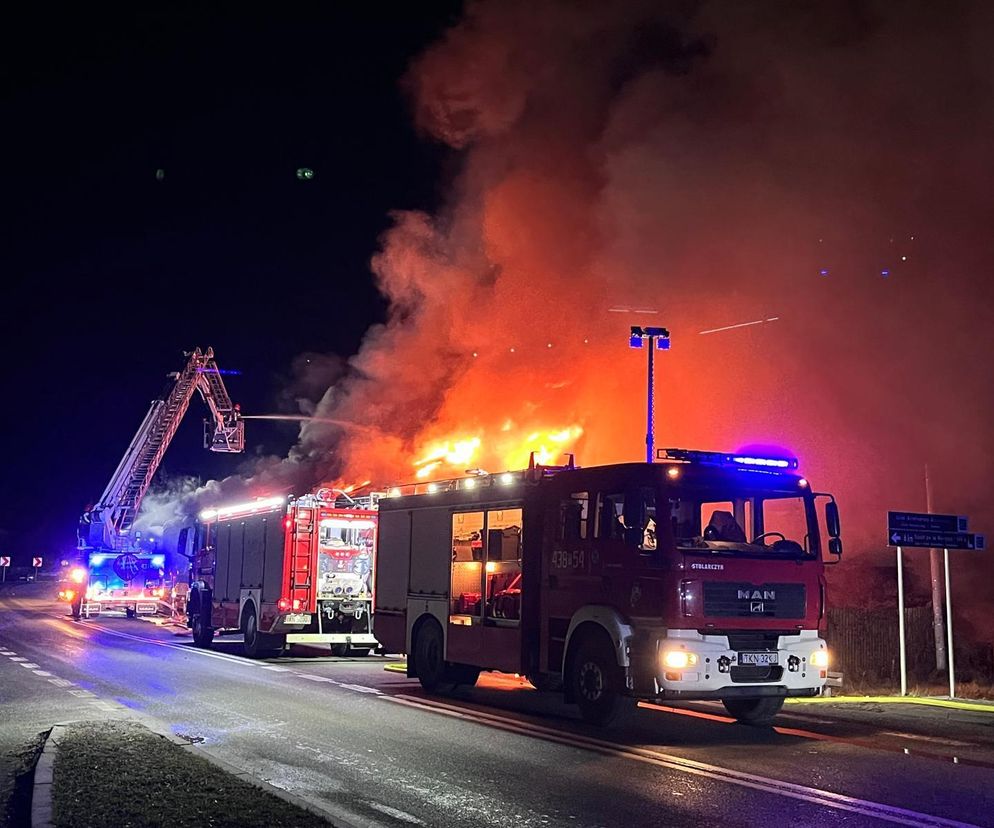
(597, 682)
(203, 632)
(258, 644)
(429, 655)
(754, 711)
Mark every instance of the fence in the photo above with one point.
(865, 647)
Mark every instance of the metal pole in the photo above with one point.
(949, 627)
(900, 622)
(933, 564)
(3, 578)
(648, 428)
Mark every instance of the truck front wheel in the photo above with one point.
(258, 644)
(203, 632)
(754, 711)
(598, 683)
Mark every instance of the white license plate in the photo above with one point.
(297, 618)
(759, 659)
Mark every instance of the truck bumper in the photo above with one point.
(722, 672)
(357, 640)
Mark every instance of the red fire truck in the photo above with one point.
(699, 577)
(282, 570)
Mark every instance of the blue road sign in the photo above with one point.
(920, 522)
(935, 540)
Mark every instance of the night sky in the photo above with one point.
(497, 189)
(110, 273)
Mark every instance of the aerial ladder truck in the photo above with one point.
(114, 570)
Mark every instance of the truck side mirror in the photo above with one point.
(832, 519)
(835, 546)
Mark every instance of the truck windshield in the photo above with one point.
(767, 524)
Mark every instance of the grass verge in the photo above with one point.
(120, 775)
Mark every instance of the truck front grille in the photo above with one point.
(726, 599)
(751, 673)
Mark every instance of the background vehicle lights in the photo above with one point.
(78, 575)
(678, 659)
(802, 483)
(469, 483)
(673, 472)
(819, 658)
(432, 488)
(507, 478)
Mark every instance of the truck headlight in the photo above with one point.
(678, 659)
(819, 658)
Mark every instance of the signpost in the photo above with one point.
(4, 563)
(36, 562)
(927, 531)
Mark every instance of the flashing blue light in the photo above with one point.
(635, 341)
(823, 271)
(158, 560)
(663, 344)
(721, 459)
(767, 462)
(885, 273)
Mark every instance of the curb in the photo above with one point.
(927, 702)
(398, 667)
(41, 791)
(41, 787)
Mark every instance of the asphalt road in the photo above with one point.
(373, 750)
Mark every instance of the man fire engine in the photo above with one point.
(700, 577)
(284, 571)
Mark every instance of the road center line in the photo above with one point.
(791, 790)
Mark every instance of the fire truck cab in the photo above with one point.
(700, 577)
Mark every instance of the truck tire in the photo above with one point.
(129, 612)
(429, 655)
(77, 608)
(258, 644)
(597, 682)
(203, 632)
(754, 711)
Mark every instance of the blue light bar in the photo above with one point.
(769, 462)
(635, 341)
(717, 458)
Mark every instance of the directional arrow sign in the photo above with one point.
(920, 522)
(935, 540)
(4, 561)
(36, 562)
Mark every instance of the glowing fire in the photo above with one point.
(455, 456)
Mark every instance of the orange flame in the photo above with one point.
(509, 451)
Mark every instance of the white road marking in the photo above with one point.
(61, 682)
(403, 816)
(44, 673)
(310, 677)
(276, 669)
(361, 688)
(7, 652)
(17, 658)
(30, 665)
(815, 796)
(81, 694)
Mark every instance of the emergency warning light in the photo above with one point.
(717, 458)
